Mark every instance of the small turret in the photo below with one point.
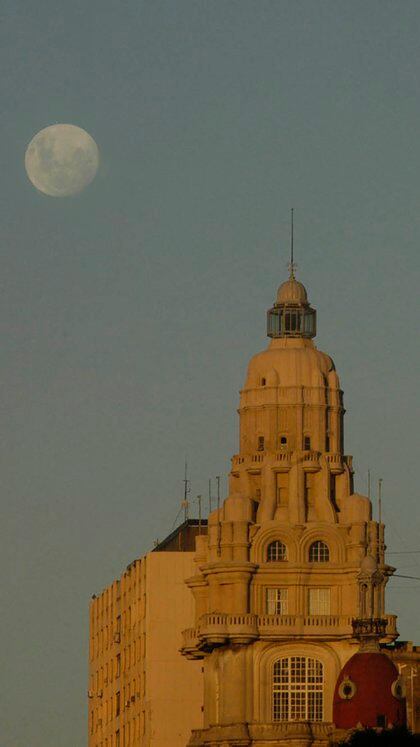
(291, 315)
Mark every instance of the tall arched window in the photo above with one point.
(276, 551)
(297, 686)
(319, 552)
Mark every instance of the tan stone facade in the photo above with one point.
(142, 693)
(407, 658)
(292, 557)
(282, 571)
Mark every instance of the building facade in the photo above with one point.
(142, 693)
(277, 603)
(291, 558)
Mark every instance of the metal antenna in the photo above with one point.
(199, 513)
(368, 484)
(380, 499)
(210, 496)
(292, 265)
(219, 523)
(187, 489)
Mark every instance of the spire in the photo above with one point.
(292, 266)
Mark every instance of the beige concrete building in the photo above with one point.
(142, 693)
(291, 558)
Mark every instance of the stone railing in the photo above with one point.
(216, 629)
(314, 625)
(335, 462)
(283, 457)
(310, 460)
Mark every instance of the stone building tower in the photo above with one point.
(279, 576)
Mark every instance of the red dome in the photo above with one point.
(369, 691)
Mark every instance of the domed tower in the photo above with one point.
(281, 575)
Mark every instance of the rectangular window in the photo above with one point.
(319, 601)
(332, 487)
(118, 667)
(282, 488)
(117, 703)
(260, 446)
(307, 443)
(276, 601)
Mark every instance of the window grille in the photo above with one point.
(297, 689)
(276, 601)
(319, 552)
(319, 601)
(276, 551)
(307, 443)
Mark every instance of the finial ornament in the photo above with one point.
(292, 265)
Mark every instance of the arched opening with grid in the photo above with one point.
(319, 552)
(276, 551)
(297, 689)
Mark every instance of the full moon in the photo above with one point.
(61, 160)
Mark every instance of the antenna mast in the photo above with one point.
(380, 500)
(292, 265)
(187, 489)
(219, 523)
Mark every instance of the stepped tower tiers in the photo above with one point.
(283, 572)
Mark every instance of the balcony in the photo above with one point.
(295, 626)
(335, 462)
(217, 629)
(310, 460)
(283, 459)
(251, 462)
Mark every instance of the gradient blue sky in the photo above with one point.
(128, 313)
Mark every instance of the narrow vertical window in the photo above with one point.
(332, 487)
(307, 443)
(276, 601)
(118, 666)
(283, 442)
(117, 703)
(260, 445)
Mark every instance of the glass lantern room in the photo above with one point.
(291, 315)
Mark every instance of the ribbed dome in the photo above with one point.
(291, 291)
(296, 362)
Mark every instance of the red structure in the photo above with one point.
(369, 692)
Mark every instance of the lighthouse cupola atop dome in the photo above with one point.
(291, 315)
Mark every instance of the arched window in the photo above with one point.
(319, 552)
(297, 687)
(276, 551)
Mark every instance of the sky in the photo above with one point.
(128, 312)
